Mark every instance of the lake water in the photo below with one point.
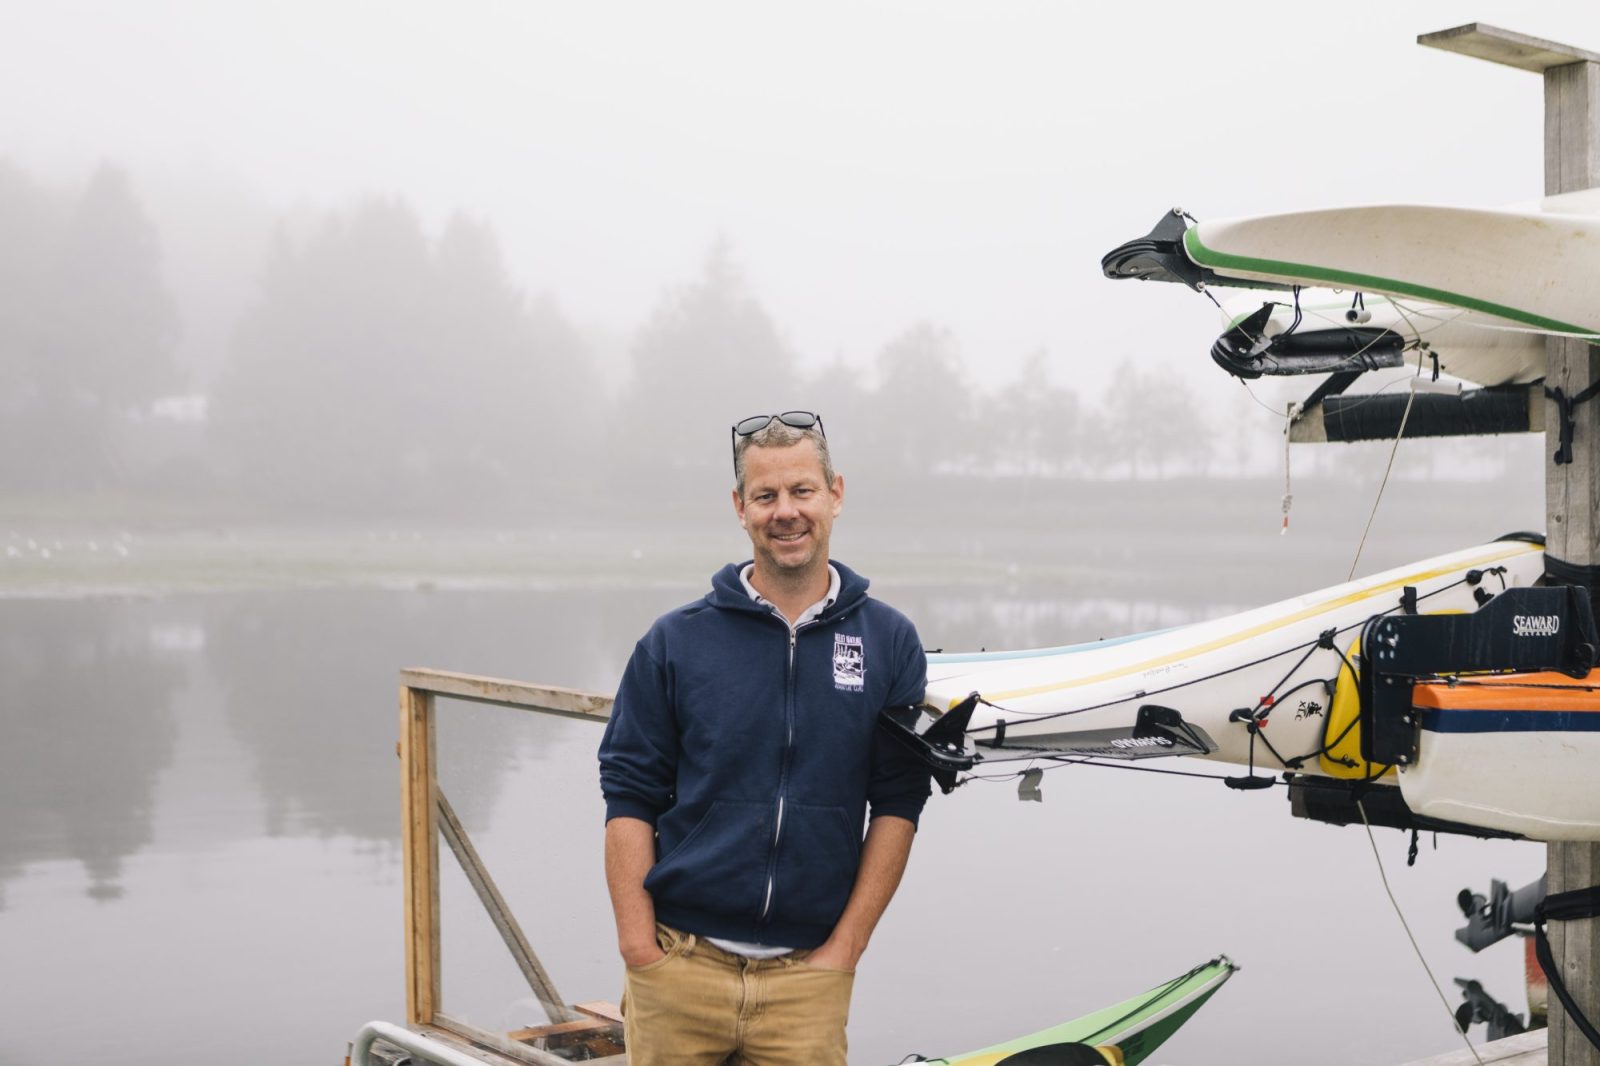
(199, 854)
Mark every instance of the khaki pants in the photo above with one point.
(701, 1006)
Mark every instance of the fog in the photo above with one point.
(341, 337)
(373, 259)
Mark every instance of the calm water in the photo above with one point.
(199, 850)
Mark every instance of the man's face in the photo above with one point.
(787, 508)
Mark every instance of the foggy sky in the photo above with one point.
(871, 164)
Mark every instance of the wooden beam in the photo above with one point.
(581, 1025)
(455, 834)
(569, 702)
(1572, 496)
(598, 1009)
(1572, 127)
(1575, 946)
(458, 1033)
(419, 846)
(1524, 1049)
(1572, 503)
(1482, 41)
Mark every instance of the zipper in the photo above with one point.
(788, 747)
(783, 775)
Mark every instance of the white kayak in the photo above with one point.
(1260, 688)
(1512, 752)
(1535, 265)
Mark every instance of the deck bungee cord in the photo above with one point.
(1471, 577)
(1156, 995)
(1254, 718)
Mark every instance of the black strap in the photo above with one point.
(1565, 907)
(1566, 573)
(1565, 404)
(1571, 906)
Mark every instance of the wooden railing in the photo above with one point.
(426, 815)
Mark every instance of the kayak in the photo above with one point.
(1283, 668)
(1123, 1034)
(1513, 752)
(1537, 266)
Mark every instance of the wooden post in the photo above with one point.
(419, 840)
(1572, 490)
(1572, 509)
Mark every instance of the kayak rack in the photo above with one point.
(591, 1032)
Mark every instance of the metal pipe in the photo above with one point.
(412, 1043)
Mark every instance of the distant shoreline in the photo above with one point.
(1176, 537)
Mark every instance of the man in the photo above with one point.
(739, 763)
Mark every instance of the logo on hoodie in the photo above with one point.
(849, 663)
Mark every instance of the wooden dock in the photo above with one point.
(1524, 1049)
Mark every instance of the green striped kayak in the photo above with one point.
(1122, 1035)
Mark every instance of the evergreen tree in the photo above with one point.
(87, 328)
(709, 356)
(382, 371)
(925, 410)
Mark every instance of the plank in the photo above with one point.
(568, 702)
(462, 1034)
(582, 1025)
(1524, 1049)
(598, 1009)
(1483, 41)
(419, 843)
(455, 834)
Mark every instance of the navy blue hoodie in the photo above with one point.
(756, 761)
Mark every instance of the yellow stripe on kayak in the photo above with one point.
(1515, 548)
(1112, 1055)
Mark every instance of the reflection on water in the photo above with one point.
(88, 725)
(201, 830)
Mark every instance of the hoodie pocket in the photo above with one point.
(817, 862)
(721, 864)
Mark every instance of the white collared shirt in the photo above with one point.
(810, 612)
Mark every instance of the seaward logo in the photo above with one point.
(1141, 742)
(1535, 625)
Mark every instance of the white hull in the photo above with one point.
(1514, 752)
(1208, 670)
(1540, 785)
(1537, 268)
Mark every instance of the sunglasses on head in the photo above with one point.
(746, 427)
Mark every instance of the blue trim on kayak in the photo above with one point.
(1456, 720)
(936, 658)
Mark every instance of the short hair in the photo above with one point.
(778, 434)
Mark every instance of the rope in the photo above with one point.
(1362, 807)
(1155, 996)
(1288, 489)
(1406, 414)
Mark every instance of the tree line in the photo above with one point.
(384, 368)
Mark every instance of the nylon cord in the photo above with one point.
(1362, 807)
(1404, 415)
